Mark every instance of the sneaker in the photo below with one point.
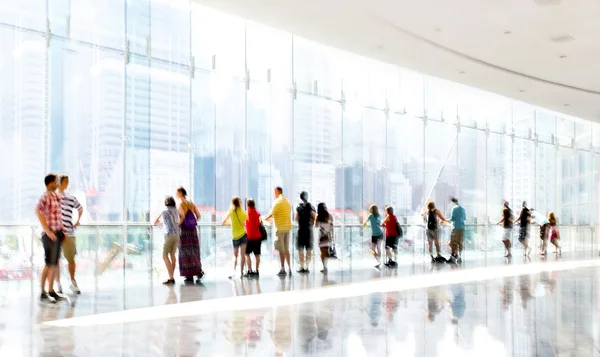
(256, 274)
(324, 270)
(54, 295)
(59, 290)
(75, 288)
(290, 272)
(189, 280)
(281, 272)
(47, 298)
(302, 270)
(432, 259)
(248, 274)
(169, 282)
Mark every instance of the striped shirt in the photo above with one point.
(69, 204)
(282, 214)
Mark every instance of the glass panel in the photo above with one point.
(138, 26)
(441, 101)
(411, 93)
(523, 118)
(317, 68)
(440, 164)
(86, 116)
(29, 14)
(471, 180)
(22, 120)
(96, 22)
(349, 179)
(269, 55)
(314, 165)
(499, 188)
(375, 186)
(169, 132)
(545, 126)
(565, 131)
(170, 30)
(138, 133)
(218, 41)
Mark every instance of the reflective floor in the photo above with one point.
(488, 306)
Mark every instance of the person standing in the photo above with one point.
(69, 204)
(237, 218)
(190, 264)
(254, 237)
(374, 219)
(391, 237)
(170, 224)
(458, 217)
(325, 224)
(554, 233)
(305, 216)
(523, 220)
(542, 221)
(49, 212)
(507, 224)
(433, 228)
(281, 212)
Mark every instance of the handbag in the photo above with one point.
(332, 253)
(263, 231)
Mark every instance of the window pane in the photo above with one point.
(269, 51)
(22, 122)
(96, 22)
(29, 14)
(87, 109)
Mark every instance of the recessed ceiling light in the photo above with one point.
(507, 32)
(437, 29)
(380, 47)
(462, 72)
(521, 90)
(567, 105)
(563, 56)
(561, 38)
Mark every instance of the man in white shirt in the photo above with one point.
(69, 205)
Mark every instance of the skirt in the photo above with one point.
(189, 253)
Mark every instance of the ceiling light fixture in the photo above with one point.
(563, 56)
(507, 32)
(462, 72)
(567, 105)
(521, 90)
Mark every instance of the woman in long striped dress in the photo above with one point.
(189, 246)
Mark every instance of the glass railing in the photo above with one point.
(119, 254)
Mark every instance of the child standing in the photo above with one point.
(374, 219)
(391, 237)
(553, 232)
(170, 224)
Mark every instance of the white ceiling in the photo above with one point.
(516, 48)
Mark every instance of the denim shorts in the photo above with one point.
(239, 242)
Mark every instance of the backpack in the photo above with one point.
(305, 211)
(432, 222)
(263, 231)
(399, 230)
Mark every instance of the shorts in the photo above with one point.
(457, 236)
(171, 244)
(282, 241)
(506, 234)
(69, 248)
(253, 247)
(543, 231)
(239, 242)
(52, 248)
(433, 234)
(523, 236)
(304, 240)
(391, 242)
(376, 239)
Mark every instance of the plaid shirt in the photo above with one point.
(50, 206)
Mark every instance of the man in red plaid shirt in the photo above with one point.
(48, 211)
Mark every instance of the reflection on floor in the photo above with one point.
(513, 308)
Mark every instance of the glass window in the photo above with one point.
(138, 134)
(440, 163)
(22, 121)
(545, 126)
(87, 106)
(218, 41)
(499, 174)
(523, 118)
(472, 162)
(315, 120)
(96, 22)
(411, 93)
(375, 190)
(170, 30)
(269, 55)
(29, 14)
(565, 131)
(441, 101)
(317, 68)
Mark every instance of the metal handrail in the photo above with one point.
(217, 225)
